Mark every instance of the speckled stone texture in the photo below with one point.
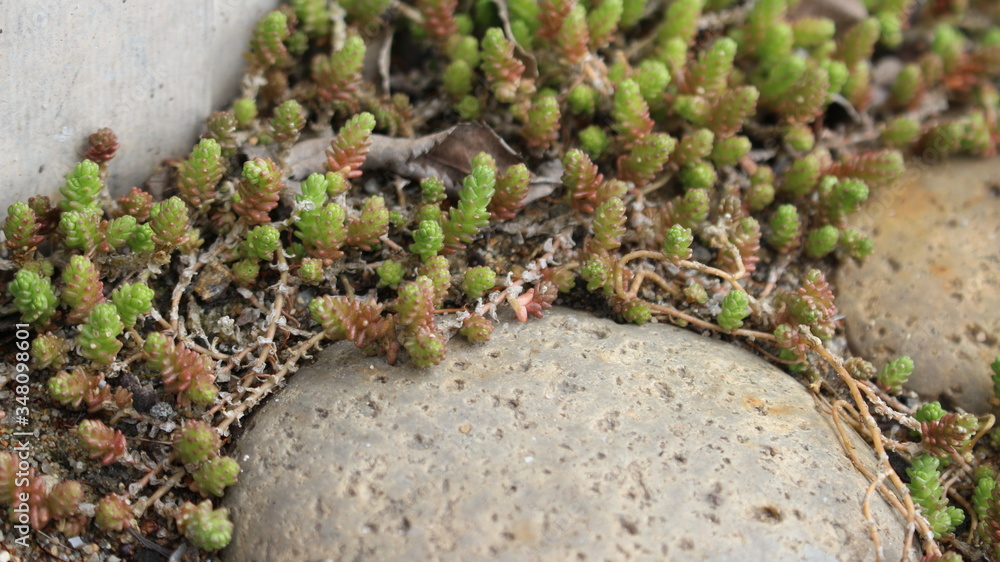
(567, 438)
(932, 288)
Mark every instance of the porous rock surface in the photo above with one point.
(567, 438)
(932, 288)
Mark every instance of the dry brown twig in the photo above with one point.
(898, 495)
(277, 311)
(258, 393)
(875, 434)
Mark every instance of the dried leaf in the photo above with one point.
(544, 180)
(844, 13)
(445, 154)
(378, 58)
(306, 157)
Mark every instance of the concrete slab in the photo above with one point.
(150, 71)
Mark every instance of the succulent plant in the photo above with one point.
(83, 289)
(222, 129)
(113, 513)
(267, 47)
(98, 338)
(477, 329)
(262, 242)
(635, 311)
(735, 307)
(477, 281)
(64, 499)
(69, 388)
(365, 231)
(102, 146)
(207, 528)
(348, 150)
(258, 190)
(925, 487)
(48, 350)
(215, 474)
(504, 71)
(196, 442)
(83, 187)
(337, 75)
(81, 229)
(101, 441)
(287, 123)
(21, 230)
(894, 374)
(470, 214)
(786, 228)
(33, 297)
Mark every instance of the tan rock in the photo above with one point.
(564, 438)
(932, 288)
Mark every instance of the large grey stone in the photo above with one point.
(565, 438)
(932, 288)
(152, 71)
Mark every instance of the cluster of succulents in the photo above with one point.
(928, 493)
(702, 147)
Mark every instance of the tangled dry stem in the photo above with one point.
(247, 399)
(862, 394)
(899, 497)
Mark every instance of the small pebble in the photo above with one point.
(161, 410)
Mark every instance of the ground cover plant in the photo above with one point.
(398, 174)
